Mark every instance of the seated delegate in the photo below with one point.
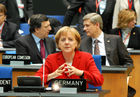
(70, 63)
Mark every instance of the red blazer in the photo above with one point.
(82, 60)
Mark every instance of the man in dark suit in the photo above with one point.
(30, 44)
(110, 46)
(8, 31)
(18, 12)
(89, 6)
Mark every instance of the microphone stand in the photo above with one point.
(43, 71)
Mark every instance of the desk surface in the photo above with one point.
(7, 49)
(134, 52)
(116, 69)
(113, 77)
(53, 94)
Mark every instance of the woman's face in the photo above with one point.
(67, 43)
(132, 23)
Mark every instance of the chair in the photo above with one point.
(51, 36)
(58, 17)
(137, 25)
(6, 76)
(10, 52)
(25, 28)
(97, 59)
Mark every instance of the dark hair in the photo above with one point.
(55, 25)
(3, 9)
(36, 20)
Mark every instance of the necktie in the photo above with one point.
(42, 49)
(96, 48)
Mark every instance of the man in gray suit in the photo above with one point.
(30, 44)
(110, 46)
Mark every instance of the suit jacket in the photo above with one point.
(9, 34)
(89, 6)
(116, 51)
(134, 41)
(27, 45)
(82, 60)
(123, 4)
(12, 10)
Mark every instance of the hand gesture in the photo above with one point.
(70, 70)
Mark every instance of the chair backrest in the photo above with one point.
(51, 36)
(10, 52)
(97, 60)
(137, 25)
(25, 28)
(6, 78)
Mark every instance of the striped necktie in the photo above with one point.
(96, 48)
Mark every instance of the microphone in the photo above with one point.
(43, 72)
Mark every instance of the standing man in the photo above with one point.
(37, 44)
(18, 11)
(103, 7)
(108, 45)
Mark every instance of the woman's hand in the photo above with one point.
(72, 70)
(57, 72)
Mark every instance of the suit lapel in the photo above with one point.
(46, 42)
(132, 37)
(76, 60)
(89, 45)
(34, 47)
(107, 42)
(4, 32)
(60, 58)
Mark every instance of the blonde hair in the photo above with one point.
(63, 31)
(124, 17)
(3, 9)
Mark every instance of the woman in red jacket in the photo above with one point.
(70, 63)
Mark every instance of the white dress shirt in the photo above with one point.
(101, 47)
(20, 8)
(102, 6)
(126, 36)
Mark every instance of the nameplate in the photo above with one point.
(16, 63)
(68, 90)
(6, 84)
(80, 84)
(1, 89)
(10, 58)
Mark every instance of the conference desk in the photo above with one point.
(54, 94)
(115, 78)
(134, 80)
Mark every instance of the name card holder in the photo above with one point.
(16, 63)
(68, 90)
(16, 59)
(1, 89)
